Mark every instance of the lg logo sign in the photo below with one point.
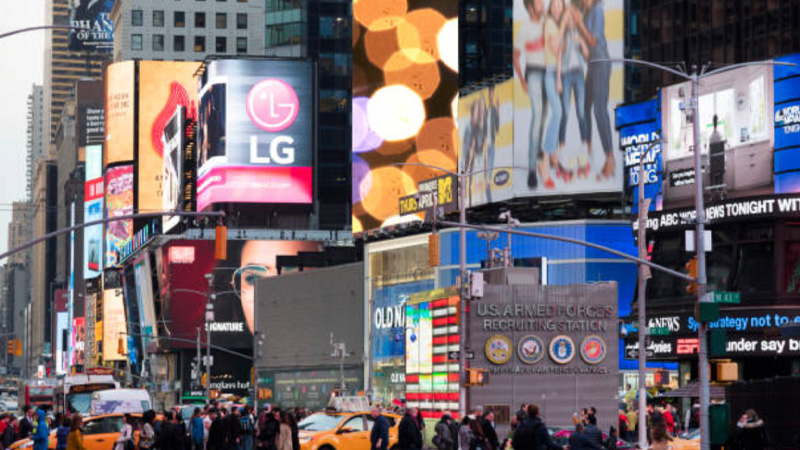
(272, 106)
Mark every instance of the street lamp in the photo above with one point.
(209, 319)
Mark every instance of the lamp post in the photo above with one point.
(209, 319)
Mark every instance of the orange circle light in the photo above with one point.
(432, 157)
(380, 46)
(419, 30)
(439, 134)
(389, 183)
(395, 112)
(447, 43)
(422, 77)
(378, 15)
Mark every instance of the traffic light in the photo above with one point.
(433, 249)
(121, 346)
(691, 270)
(477, 377)
(19, 347)
(10, 347)
(221, 243)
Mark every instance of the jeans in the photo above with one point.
(535, 78)
(554, 112)
(572, 81)
(246, 442)
(198, 443)
(597, 80)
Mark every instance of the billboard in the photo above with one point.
(178, 175)
(78, 341)
(405, 94)
(114, 326)
(486, 146)
(119, 110)
(165, 87)
(256, 132)
(92, 129)
(143, 276)
(188, 262)
(564, 142)
(93, 210)
(787, 126)
(94, 28)
(639, 126)
(119, 202)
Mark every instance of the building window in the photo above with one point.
(241, 21)
(200, 44)
(158, 18)
(158, 42)
(241, 45)
(222, 44)
(331, 100)
(334, 63)
(283, 5)
(334, 27)
(179, 19)
(222, 21)
(137, 18)
(200, 20)
(178, 44)
(283, 34)
(136, 42)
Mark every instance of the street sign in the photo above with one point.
(658, 331)
(457, 355)
(633, 353)
(726, 297)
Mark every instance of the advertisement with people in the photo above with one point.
(118, 202)
(256, 131)
(165, 87)
(92, 211)
(787, 125)
(405, 95)
(233, 286)
(115, 339)
(564, 142)
(93, 28)
(486, 146)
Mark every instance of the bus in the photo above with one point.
(74, 393)
(37, 393)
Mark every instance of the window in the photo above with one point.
(158, 42)
(178, 44)
(334, 63)
(221, 44)
(222, 21)
(179, 19)
(283, 34)
(199, 44)
(755, 268)
(137, 18)
(356, 424)
(333, 27)
(136, 42)
(200, 20)
(241, 21)
(93, 427)
(331, 100)
(283, 5)
(158, 18)
(241, 45)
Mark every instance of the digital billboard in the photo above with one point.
(165, 87)
(143, 276)
(639, 126)
(405, 94)
(114, 326)
(93, 210)
(92, 126)
(119, 110)
(94, 29)
(78, 341)
(118, 202)
(486, 146)
(177, 179)
(787, 125)
(564, 141)
(187, 263)
(256, 128)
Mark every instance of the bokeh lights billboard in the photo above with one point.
(405, 91)
(256, 132)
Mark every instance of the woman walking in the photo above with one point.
(62, 434)
(751, 432)
(284, 440)
(75, 438)
(125, 435)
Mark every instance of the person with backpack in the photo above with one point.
(532, 433)
(247, 426)
(442, 438)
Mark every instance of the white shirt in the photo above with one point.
(530, 43)
(125, 434)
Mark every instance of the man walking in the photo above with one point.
(379, 437)
(532, 433)
(410, 434)
(442, 438)
(593, 433)
(579, 441)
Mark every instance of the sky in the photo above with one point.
(21, 67)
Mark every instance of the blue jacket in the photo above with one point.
(380, 430)
(42, 435)
(61, 435)
(197, 428)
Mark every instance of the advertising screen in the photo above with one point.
(389, 318)
(486, 146)
(79, 341)
(95, 29)
(119, 202)
(787, 126)
(174, 138)
(233, 285)
(256, 133)
(639, 126)
(564, 141)
(114, 328)
(165, 87)
(405, 94)
(119, 87)
(92, 130)
(144, 296)
(93, 210)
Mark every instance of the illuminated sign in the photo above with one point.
(181, 255)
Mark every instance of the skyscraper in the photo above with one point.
(38, 139)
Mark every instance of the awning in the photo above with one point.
(692, 390)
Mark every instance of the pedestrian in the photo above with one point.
(442, 438)
(464, 434)
(421, 424)
(26, 424)
(41, 437)
(579, 441)
(147, 437)
(233, 428)
(268, 432)
(453, 425)
(295, 432)
(622, 420)
(659, 438)
(613, 437)
(379, 436)
(593, 433)
(284, 433)
(489, 432)
(409, 433)
(633, 424)
(247, 426)
(125, 438)
(75, 438)
(171, 437)
(8, 436)
(669, 419)
(478, 441)
(197, 430)
(532, 433)
(216, 433)
(751, 433)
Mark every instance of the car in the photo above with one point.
(99, 433)
(688, 441)
(342, 431)
(561, 437)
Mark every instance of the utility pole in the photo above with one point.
(462, 305)
(340, 351)
(199, 360)
(644, 275)
(209, 321)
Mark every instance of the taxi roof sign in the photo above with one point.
(349, 404)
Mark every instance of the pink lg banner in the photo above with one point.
(255, 184)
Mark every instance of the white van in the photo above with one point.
(120, 401)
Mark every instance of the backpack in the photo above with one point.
(247, 424)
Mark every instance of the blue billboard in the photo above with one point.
(93, 28)
(787, 125)
(389, 317)
(639, 127)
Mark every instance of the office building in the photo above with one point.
(38, 140)
(485, 41)
(188, 30)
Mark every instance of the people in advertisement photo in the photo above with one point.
(554, 45)
(94, 28)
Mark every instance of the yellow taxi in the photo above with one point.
(99, 433)
(343, 431)
(689, 441)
